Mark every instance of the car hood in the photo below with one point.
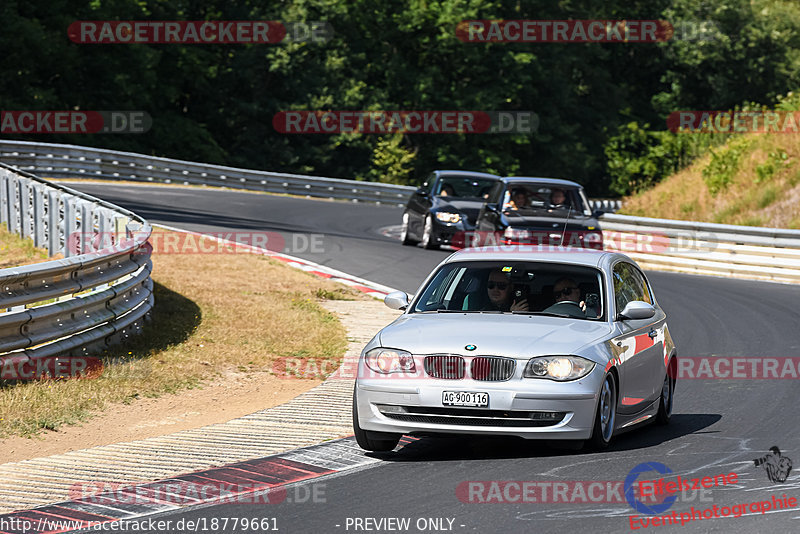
(469, 208)
(539, 223)
(514, 336)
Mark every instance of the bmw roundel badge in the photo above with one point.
(470, 347)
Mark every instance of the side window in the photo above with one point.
(494, 196)
(644, 293)
(433, 297)
(430, 181)
(505, 199)
(629, 285)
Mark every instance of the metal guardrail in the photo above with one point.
(71, 161)
(96, 294)
(706, 248)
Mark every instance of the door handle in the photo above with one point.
(652, 333)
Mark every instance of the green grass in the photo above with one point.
(15, 251)
(767, 196)
(753, 221)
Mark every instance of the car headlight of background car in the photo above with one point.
(559, 368)
(446, 216)
(385, 361)
(516, 233)
(593, 237)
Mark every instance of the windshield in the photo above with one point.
(515, 287)
(543, 201)
(465, 187)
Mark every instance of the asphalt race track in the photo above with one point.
(718, 426)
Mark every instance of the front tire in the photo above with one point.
(366, 440)
(428, 239)
(404, 236)
(605, 418)
(666, 400)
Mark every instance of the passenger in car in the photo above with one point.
(558, 198)
(501, 293)
(447, 191)
(568, 300)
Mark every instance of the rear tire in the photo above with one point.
(605, 418)
(428, 239)
(404, 237)
(367, 440)
(666, 400)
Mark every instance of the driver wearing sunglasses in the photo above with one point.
(568, 299)
(501, 293)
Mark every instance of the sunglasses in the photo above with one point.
(568, 290)
(499, 285)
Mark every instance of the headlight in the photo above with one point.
(447, 217)
(516, 233)
(387, 361)
(559, 368)
(593, 237)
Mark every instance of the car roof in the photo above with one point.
(545, 181)
(534, 253)
(468, 173)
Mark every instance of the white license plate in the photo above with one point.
(465, 398)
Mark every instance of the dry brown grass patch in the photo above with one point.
(755, 196)
(214, 314)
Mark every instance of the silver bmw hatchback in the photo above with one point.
(557, 344)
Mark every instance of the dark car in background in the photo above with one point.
(537, 211)
(445, 206)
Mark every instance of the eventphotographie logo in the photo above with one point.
(776, 465)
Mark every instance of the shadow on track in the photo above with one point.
(459, 448)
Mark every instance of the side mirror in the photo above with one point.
(396, 300)
(422, 191)
(637, 309)
(596, 214)
(491, 207)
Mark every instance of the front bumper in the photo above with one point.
(554, 410)
(445, 233)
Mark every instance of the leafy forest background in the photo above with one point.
(602, 107)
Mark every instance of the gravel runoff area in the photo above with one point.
(320, 414)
